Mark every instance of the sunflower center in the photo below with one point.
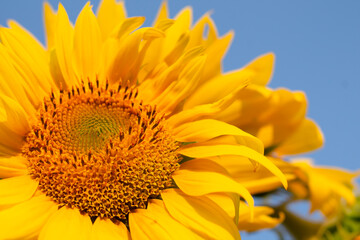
(100, 150)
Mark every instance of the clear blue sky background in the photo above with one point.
(317, 45)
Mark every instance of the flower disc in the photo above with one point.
(100, 150)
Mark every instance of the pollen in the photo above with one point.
(101, 150)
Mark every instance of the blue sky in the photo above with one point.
(317, 47)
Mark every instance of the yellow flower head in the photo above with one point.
(325, 187)
(99, 139)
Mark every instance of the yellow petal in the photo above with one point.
(218, 87)
(203, 111)
(163, 13)
(18, 87)
(262, 219)
(263, 184)
(29, 57)
(13, 126)
(67, 224)
(179, 28)
(215, 50)
(15, 117)
(168, 74)
(64, 47)
(341, 175)
(16, 189)
(87, 44)
(286, 112)
(248, 108)
(50, 25)
(12, 166)
(229, 202)
(200, 214)
(25, 220)
(254, 177)
(182, 88)
(56, 70)
(258, 70)
(156, 223)
(164, 24)
(178, 49)
(128, 26)
(263, 68)
(216, 150)
(106, 229)
(325, 188)
(320, 192)
(202, 130)
(125, 57)
(307, 137)
(200, 176)
(109, 14)
(148, 36)
(299, 189)
(197, 32)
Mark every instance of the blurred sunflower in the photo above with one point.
(98, 139)
(278, 118)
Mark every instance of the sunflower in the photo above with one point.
(336, 184)
(98, 141)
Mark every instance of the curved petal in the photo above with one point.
(16, 189)
(109, 14)
(263, 67)
(285, 114)
(201, 176)
(264, 184)
(203, 111)
(198, 29)
(14, 116)
(29, 58)
(179, 90)
(12, 166)
(106, 229)
(259, 70)
(320, 195)
(156, 223)
(87, 44)
(254, 177)
(17, 88)
(248, 108)
(229, 202)
(179, 28)
(200, 214)
(215, 52)
(13, 126)
(199, 151)
(202, 130)
(67, 224)
(326, 186)
(178, 50)
(306, 138)
(166, 75)
(25, 220)
(263, 218)
(127, 52)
